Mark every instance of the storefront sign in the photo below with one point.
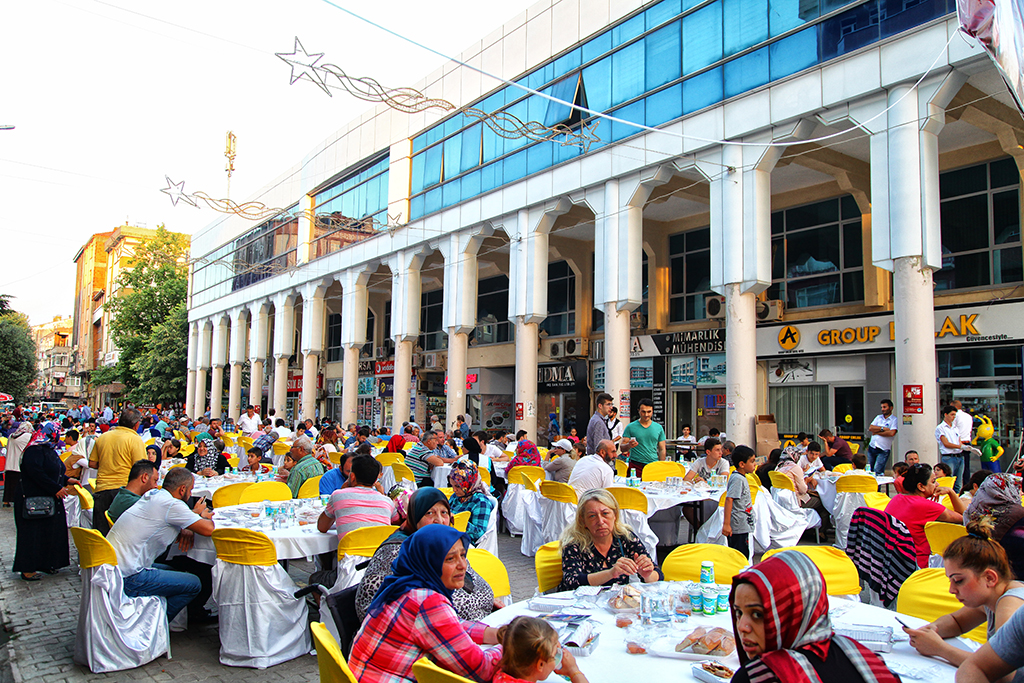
(678, 343)
(294, 382)
(366, 367)
(791, 371)
(385, 387)
(913, 399)
(337, 386)
(519, 410)
(624, 404)
(962, 325)
(384, 367)
(367, 385)
(658, 393)
(560, 377)
(641, 373)
(497, 412)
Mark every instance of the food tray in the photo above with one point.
(548, 603)
(607, 604)
(587, 649)
(875, 638)
(666, 647)
(701, 675)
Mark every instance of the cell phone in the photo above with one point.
(902, 623)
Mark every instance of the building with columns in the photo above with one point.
(817, 208)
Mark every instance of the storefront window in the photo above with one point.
(431, 316)
(561, 318)
(493, 325)
(799, 408)
(691, 274)
(987, 382)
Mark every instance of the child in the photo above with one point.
(739, 507)
(285, 469)
(972, 486)
(810, 461)
(531, 652)
(860, 462)
(898, 470)
(255, 458)
(942, 470)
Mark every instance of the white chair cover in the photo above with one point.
(261, 622)
(637, 521)
(489, 541)
(533, 521)
(348, 575)
(116, 632)
(711, 531)
(788, 500)
(73, 512)
(512, 508)
(785, 526)
(557, 516)
(847, 503)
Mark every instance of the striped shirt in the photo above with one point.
(358, 506)
(416, 459)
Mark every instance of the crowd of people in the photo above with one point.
(419, 595)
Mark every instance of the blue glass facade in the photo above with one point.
(673, 59)
(346, 211)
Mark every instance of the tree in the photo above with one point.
(162, 365)
(153, 285)
(18, 361)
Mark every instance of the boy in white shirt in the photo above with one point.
(810, 462)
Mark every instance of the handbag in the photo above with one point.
(40, 507)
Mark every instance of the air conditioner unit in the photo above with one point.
(714, 306)
(430, 361)
(422, 387)
(556, 349)
(637, 320)
(769, 310)
(575, 347)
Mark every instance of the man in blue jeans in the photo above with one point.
(883, 429)
(144, 531)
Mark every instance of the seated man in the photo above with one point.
(594, 471)
(425, 456)
(337, 477)
(142, 478)
(305, 465)
(357, 503)
(150, 526)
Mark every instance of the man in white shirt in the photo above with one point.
(249, 422)
(964, 423)
(615, 425)
(282, 430)
(147, 528)
(883, 429)
(594, 471)
(950, 445)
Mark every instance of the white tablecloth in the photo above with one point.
(660, 497)
(826, 488)
(291, 544)
(207, 486)
(611, 663)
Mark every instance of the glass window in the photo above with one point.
(793, 54)
(799, 408)
(663, 55)
(597, 79)
(784, 15)
(745, 24)
(702, 91)
(690, 267)
(564, 90)
(561, 319)
(849, 31)
(493, 325)
(631, 112)
(746, 73)
(702, 38)
(334, 338)
(665, 105)
(432, 335)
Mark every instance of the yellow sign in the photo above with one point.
(789, 337)
(849, 335)
(849, 419)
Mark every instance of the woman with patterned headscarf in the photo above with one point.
(469, 493)
(526, 454)
(803, 485)
(783, 631)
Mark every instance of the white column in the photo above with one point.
(461, 275)
(219, 358)
(406, 291)
(527, 341)
(193, 350)
(284, 346)
(202, 367)
(236, 357)
(353, 336)
(906, 234)
(313, 312)
(258, 325)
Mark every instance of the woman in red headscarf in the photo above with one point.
(783, 632)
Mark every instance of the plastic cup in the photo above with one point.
(723, 598)
(696, 599)
(710, 601)
(707, 571)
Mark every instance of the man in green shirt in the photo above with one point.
(142, 478)
(306, 466)
(644, 441)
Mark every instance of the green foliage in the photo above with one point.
(151, 289)
(18, 360)
(161, 367)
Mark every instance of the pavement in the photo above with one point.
(38, 622)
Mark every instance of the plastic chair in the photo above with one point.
(876, 500)
(447, 491)
(559, 492)
(854, 447)
(683, 563)
(386, 459)
(180, 464)
(856, 483)
(784, 493)
(841, 577)
(265, 490)
(492, 570)
(310, 488)
(245, 442)
(182, 439)
(621, 468)
(941, 534)
(233, 461)
(526, 480)
(659, 471)
(333, 667)
(548, 564)
(409, 446)
(282, 448)
(186, 450)
(261, 622)
(402, 472)
(925, 595)
(945, 481)
(354, 548)
(634, 507)
(428, 672)
(228, 495)
(485, 475)
(557, 503)
(629, 498)
(461, 520)
(228, 440)
(149, 442)
(844, 467)
(84, 497)
(114, 632)
(754, 481)
(335, 457)
(534, 473)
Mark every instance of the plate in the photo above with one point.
(666, 647)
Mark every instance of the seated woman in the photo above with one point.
(154, 455)
(774, 458)
(205, 460)
(980, 577)
(412, 615)
(916, 507)
(804, 485)
(972, 486)
(526, 454)
(469, 492)
(425, 507)
(599, 550)
(942, 470)
(170, 449)
(785, 636)
(999, 498)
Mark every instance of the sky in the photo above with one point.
(109, 97)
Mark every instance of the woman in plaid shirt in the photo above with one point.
(412, 615)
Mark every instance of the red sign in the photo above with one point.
(519, 411)
(294, 382)
(913, 398)
(384, 367)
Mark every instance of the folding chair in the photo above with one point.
(548, 565)
(925, 595)
(659, 471)
(850, 495)
(493, 572)
(428, 672)
(683, 563)
(784, 493)
(941, 534)
(841, 577)
(461, 520)
(265, 490)
(310, 488)
(229, 495)
(333, 667)
(634, 506)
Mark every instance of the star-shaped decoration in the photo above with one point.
(176, 191)
(304, 64)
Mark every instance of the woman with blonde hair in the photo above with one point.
(598, 549)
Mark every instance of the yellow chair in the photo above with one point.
(945, 481)
(93, 549)
(629, 498)
(92, 483)
(683, 563)
(659, 471)
(754, 481)
(335, 457)
(310, 488)
(365, 540)
(621, 468)
(428, 672)
(524, 479)
(753, 496)
(876, 500)
(281, 447)
(386, 459)
(182, 439)
(845, 467)
(110, 520)
(548, 564)
(854, 447)
(228, 441)
(149, 442)
(227, 496)
(461, 520)
(491, 569)
(402, 472)
(941, 534)
(193, 434)
(233, 461)
(485, 475)
(333, 668)
(559, 492)
(186, 450)
(265, 490)
(85, 499)
(535, 473)
(925, 595)
(781, 481)
(244, 546)
(409, 446)
(447, 491)
(856, 483)
(3, 441)
(180, 464)
(245, 442)
(841, 577)
(543, 452)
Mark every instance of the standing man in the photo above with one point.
(86, 413)
(950, 445)
(643, 441)
(462, 427)
(108, 414)
(615, 426)
(883, 429)
(964, 424)
(597, 428)
(112, 456)
(249, 422)
(837, 450)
